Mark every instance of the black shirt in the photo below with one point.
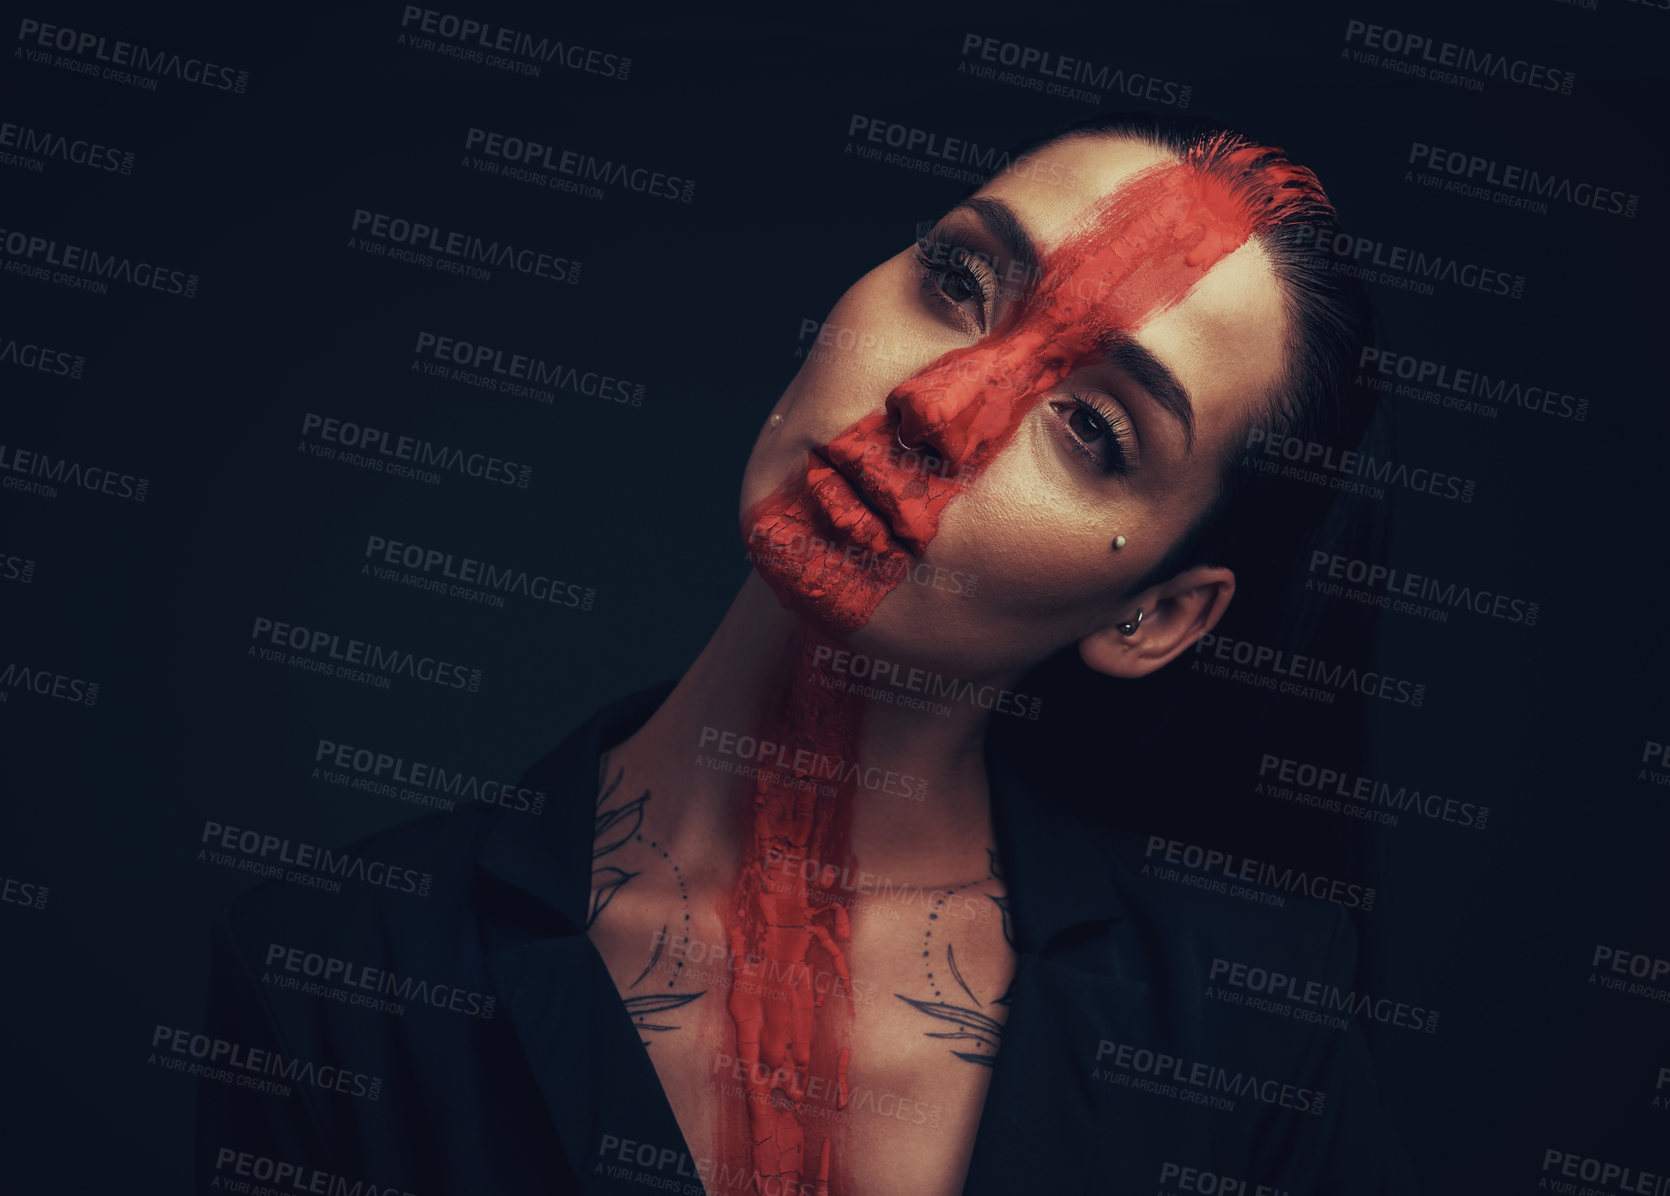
(472, 1040)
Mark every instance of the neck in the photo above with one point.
(916, 776)
(828, 784)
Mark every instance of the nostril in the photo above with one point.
(907, 426)
(917, 454)
(920, 460)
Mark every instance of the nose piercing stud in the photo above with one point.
(1118, 542)
(1130, 627)
(776, 420)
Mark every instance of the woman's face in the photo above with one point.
(1016, 560)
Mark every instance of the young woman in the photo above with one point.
(797, 924)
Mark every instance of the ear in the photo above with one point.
(1174, 616)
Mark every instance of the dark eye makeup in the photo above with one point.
(956, 274)
(1099, 432)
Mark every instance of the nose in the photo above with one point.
(965, 404)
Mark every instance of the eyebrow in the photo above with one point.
(1153, 375)
(1007, 230)
(1115, 346)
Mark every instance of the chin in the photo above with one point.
(834, 600)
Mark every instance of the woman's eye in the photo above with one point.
(1100, 435)
(958, 287)
(1089, 426)
(954, 277)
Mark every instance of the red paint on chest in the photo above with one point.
(788, 931)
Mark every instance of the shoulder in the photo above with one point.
(1218, 913)
(1252, 974)
(400, 893)
(410, 891)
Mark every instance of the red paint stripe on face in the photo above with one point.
(834, 541)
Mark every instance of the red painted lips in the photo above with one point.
(854, 511)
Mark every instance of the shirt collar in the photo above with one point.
(550, 857)
(1059, 869)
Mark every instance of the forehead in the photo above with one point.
(1225, 341)
(1054, 187)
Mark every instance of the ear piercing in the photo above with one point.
(1118, 543)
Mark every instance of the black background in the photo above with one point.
(703, 303)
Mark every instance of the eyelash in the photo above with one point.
(1118, 463)
(951, 254)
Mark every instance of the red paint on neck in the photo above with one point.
(782, 938)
